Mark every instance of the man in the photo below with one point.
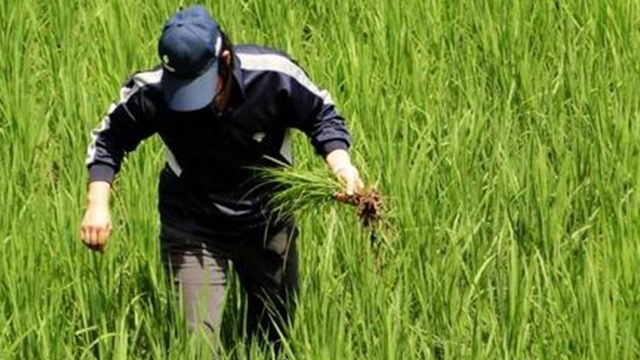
(222, 112)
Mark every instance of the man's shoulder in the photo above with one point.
(143, 84)
(142, 90)
(251, 49)
(257, 60)
(149, 78)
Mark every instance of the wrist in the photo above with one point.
(97, 203)
(98, 194)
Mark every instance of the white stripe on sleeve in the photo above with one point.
(139, 80)
(279, 63)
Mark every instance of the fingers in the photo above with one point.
(96, 227)
(95, 238)
(92, 236)
(349, 190)
(351, 186)
(101, 235)
(352, 181)
(354, 186)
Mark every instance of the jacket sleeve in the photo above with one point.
(314, 112)
(126, 124)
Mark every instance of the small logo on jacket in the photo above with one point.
(258, 137)
(165, 63)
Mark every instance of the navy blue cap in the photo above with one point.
(189, 48)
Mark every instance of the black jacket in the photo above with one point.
(210, 180)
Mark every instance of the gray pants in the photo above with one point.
(266, 263)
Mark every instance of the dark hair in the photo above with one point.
(226, 70)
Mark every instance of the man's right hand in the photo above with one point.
(96, 224)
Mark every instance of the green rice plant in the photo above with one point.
(504, 135)
(300, 190)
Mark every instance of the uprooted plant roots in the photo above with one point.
(369, 205)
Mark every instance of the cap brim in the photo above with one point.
(190, 94)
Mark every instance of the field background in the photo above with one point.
(505, 133)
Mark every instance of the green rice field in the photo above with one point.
(505, 135)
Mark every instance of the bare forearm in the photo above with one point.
(98, 193)
(96, 223)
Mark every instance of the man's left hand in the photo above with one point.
(340, 164)
(350, 177)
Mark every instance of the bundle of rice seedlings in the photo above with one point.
(313, 190)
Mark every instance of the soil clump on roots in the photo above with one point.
(369, 205)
